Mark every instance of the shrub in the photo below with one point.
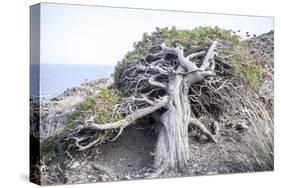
(235, 53)
(99, 106)
(50, 146)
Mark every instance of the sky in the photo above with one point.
(73, 34)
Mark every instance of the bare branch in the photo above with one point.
(207, 73)
(209, 56)
(89, 145)
(196, 54)
(130, 118)
(153, 82)
(144, 98)
(153, 68)
(178, 51)
(213, 65)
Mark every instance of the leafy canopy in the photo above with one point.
(235, 53)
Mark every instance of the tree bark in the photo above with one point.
(172, 148)
(172, 144)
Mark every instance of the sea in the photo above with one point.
(50, 80)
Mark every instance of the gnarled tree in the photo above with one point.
(176, 82)
(161, 80)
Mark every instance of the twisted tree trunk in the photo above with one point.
(172, 144)
(172, 149)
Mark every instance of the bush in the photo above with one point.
(99, 106)
(245, 68)
(235, 53)
(50, 146)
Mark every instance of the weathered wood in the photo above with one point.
(172, 149)
(172, 143)
(130, 118)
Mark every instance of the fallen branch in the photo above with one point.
(202, 128)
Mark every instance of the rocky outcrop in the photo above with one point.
(86, 88)
(262, 50)
(53, 113)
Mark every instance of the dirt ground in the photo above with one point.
(131, 156)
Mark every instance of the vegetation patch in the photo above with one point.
(51, 146)
(244, 67)
(100, 106)
(235, 54)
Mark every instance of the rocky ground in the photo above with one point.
(53, 113)
(131, 155)
(262, 49)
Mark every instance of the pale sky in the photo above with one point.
(72, 34)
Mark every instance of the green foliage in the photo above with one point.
(80, 114)
(244, 67)
(100, 106)
(50, 146)
(86, 104)
(194, 40)
(104, 106)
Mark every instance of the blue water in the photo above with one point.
(56, 78)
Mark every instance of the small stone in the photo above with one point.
(229, 125)
(104, 177)
(151, 153)
(146, 174)
(212, 173)
(55, 99)
(76, 164)
(242, 127)
(224, 133)
(215, 128)
(127, 177)
(230, 140)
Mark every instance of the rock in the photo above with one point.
(76, 91)
(54, 112)
(229, 125)
(127, 177)
(262, 50)
(215, 128)
(56, 99)
(146, 174)
(75, 165)
(152, 153)
(212, 173)
(104, 177)
(195, 165)
(230, 140)
(241, 127)
(224, 133)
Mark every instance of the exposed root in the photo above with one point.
(175, 84)
(107, 171)
(202, 128)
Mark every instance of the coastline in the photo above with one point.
(53, 112)
(49, 80)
